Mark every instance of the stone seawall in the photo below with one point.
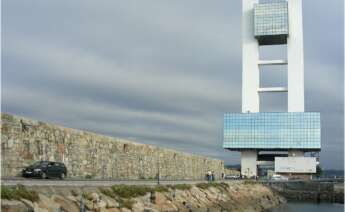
(86, 154)
(203, 197)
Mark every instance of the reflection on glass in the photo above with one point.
(272, 130)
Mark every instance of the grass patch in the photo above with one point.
(249, 182)
(124, 193)
(7, 193)
(18, 192)
(107, 192)
(87, 196)
(126, 203)
(221, 185)
(208, 185)
(131, 191)
(88, 176)
(203, 185)
(181, 186)
(74, 193)
(161, 188)
(122, 196)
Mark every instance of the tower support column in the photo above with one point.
(250, 59)
(249, 163)
(295, 58)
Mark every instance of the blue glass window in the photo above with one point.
(271, 24)
(300, 130)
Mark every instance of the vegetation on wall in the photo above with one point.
(18, 192)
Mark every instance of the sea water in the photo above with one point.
(310, 207)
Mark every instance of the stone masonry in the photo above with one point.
(86, 154)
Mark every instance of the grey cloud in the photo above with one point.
(93, 78)
(157, 72)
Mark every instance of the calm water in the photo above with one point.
(310, 207)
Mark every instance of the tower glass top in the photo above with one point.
(271, 21)
(268, 131)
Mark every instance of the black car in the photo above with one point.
(46, 169)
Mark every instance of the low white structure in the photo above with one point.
(300, 165)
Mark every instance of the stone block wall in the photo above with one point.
(232, 172)
(24, 141)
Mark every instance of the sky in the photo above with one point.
(159, 72)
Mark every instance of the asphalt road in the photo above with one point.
(94, 182)
(91, 183)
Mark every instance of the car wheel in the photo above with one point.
(44, 175)
(62, 176)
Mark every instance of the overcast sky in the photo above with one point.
(158, 72)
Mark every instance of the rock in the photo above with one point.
(74, 199)
(37, 208)
(200, 196)
(163, 203)
(65, 204)
(151, 210)
(14, 206)
(10, 143)
(94, 197)
(111, 210)
(138, 207)
(101, 204)
(111, 203)
(125, 210)
(28, 203)
(47, 203)
(160, 198)
(89, 204)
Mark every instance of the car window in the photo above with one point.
(44, 164)
(40, 163)
(36, 164)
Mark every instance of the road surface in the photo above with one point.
(99, 182)
(91, 183)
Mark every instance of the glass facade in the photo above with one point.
(271, 19)
(298, 130)
(271, 22)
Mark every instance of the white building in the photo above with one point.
(260, 137)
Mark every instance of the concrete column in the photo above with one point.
(248, 163)
(250, 58)
(295, 58)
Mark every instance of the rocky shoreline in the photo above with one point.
(234, 196)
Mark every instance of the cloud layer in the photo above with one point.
(157, 72)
